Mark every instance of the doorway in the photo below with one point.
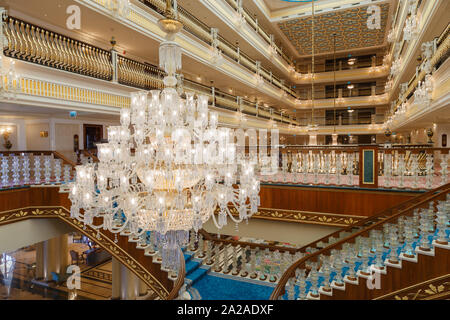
(93, 133)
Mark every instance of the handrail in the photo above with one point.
(88, 153)
(64, 158)
(301, 262)
(173, 294)
(261, 246)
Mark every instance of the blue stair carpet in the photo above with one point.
(212, 287)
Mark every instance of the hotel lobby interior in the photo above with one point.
(224, 150)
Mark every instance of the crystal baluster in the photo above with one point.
(15, 170)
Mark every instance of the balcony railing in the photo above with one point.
(406, 167)
(31, 43)
(441, 54)
(203, 32)
(341, 64)
(254, 24)
(342, 121)
(305, 93)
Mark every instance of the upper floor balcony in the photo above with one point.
(220, 45)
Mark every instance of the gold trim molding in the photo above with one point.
(306, 217)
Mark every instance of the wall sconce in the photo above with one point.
(5, 132)
(43, 134)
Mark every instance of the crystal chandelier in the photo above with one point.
(10, 83)
(423, 93)
(410, 29)
(167, 167)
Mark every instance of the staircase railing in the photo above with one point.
(20, 168)
(335, 236)
(174, 293)
(246, 259)
(398, 228)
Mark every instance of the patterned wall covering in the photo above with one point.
(349, 25)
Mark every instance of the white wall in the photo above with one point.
(438, 132)
(24, 233)
(64, 136)
(34, 140)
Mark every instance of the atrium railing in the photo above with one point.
(403, 167)
(34, 44)
(384, 243)
(203, 32)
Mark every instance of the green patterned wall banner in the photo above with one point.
(368, 166)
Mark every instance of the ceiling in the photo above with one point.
(349, 25)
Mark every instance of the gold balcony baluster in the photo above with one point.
(32, 46)
(61, 57)
(77, 66)
(81, 67)
(86, 63)
(35, 43)
(91, 63)
(23, 34)
(19, 45)
(100, 65)
(65, 46)
(53, 58)
(96, 63)
(11, 46)
(49, 57)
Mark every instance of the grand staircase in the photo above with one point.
(406, 247)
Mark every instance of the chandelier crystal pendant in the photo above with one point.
(166, 168)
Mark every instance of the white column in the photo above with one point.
(81, 137)
(21, 135)
(334, 138)
(312, 139)
(52, 134)
(129, 284)
(115, 279)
